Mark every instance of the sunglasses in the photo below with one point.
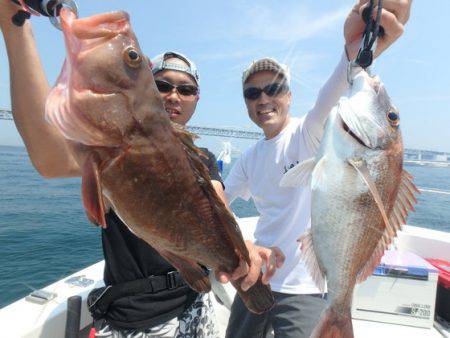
(273, 89)
(182, 89)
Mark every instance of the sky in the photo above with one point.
(222, 38)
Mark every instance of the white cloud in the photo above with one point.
(274, 21)
(287, 23)
(262, 30)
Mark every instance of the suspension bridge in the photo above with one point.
(412, 156)
(231, 132)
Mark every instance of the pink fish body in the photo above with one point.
(360, 197)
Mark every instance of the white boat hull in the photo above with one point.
(30, 320)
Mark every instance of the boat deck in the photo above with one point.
(30, 320)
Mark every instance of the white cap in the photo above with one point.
(159, 63)
(267, 64)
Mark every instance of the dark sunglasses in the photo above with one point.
(182, 89)
(273, 89)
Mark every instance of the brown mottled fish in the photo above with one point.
(136, 161)
(360, 197)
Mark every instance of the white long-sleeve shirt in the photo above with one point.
(285, 212)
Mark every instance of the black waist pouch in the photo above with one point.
(143, 303)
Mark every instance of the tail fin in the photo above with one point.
(258, 299)
(333, 324)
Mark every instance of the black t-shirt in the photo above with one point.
(129, 258)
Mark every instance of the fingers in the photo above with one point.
(271, 268)
(393, 29)
(280, 257)
(274, 259)
(256, 262)
(270, 263)
(7, 10)
(400, 8)
(394, 14)
(222, 277)
(239, 272)
(271, 258)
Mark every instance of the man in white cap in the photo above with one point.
(285, 212)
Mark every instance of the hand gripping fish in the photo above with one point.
(107, 105)
(360, 197)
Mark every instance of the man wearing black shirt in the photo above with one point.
(129, 258)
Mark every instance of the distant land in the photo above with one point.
(230, 132)
(410, 155)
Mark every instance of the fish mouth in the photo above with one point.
(105, 25)
(352, 134)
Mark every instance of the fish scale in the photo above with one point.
(360, 197)
(135, 161)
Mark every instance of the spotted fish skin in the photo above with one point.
(135, 161)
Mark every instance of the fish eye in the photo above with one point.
(132, 57)
(393, 118)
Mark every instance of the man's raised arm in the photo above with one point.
(395, 14)
(48, 150)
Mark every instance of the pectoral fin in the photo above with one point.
(91, 190)
(389, 232)
(300, 175)
(192, 273)
(362, 170)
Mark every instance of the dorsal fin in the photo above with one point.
(397, 218)
(221, 212)
(186, 137)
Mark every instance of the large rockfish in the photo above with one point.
(135, 160)
(360, 197)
